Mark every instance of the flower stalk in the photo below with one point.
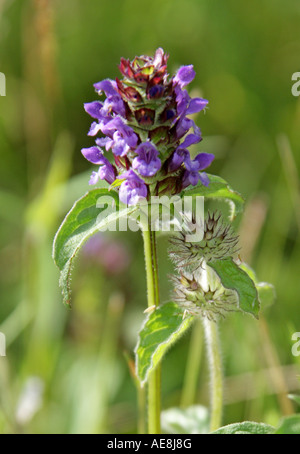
(154, 382)
(216, 376)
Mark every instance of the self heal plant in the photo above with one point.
(144, 121)
(143, 133)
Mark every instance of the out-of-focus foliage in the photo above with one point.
(65, 371)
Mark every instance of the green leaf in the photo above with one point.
(86, 218)
(191, 420)
(289, 426)
(245, 428)
(162, 328)
(266, 291)
(234, 278)
(218, 189)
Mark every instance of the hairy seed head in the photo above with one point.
(219, 242)
(202, 294)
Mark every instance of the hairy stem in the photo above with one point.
(154, 382)
(215, 361)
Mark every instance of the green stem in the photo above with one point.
(154, 382)
(215, 361)
(191, 377)
(141, 410)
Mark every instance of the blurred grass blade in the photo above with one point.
(162, 328)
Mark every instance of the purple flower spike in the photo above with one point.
(184, 75)
(133, 189)
(145, 125)
(146, 163)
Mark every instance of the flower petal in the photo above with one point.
(185, 75)
(94, 109)
(94, 155)
(106, 85)
(190, 140)
(94, 178)
(204, 160)
(204, 179)
(196, 105)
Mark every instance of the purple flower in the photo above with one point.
(114, 104)
(108, 86)
(153, 142)
(196, 105)
(132, 189)
(94, 129)
(94, 109)
(106, 171)
(184, 125)
(106, 142)
(125, 131)
(147, 162)
(184, 76)
(182, 100)
(191, 139)
(178, 157)
(192, 175)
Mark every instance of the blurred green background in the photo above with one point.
(66, 371)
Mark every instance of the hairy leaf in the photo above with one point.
(95, 211)
(218, 189)
(245, 428)
(162, 328)
(234, 278)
